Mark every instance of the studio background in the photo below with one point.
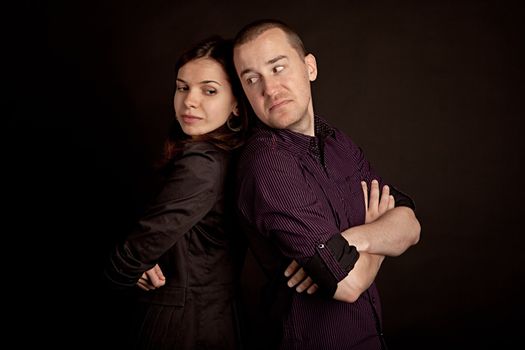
(431, 90)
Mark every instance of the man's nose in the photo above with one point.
(271, 86)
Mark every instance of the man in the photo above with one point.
(300, 197)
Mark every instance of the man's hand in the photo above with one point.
(378, 205)
(152, 279)
(299, 279)
(368, 265)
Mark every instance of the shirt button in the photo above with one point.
(320, 246)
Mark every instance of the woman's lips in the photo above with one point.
(190, 119)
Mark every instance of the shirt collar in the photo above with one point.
(300, 143)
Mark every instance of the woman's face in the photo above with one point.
(203, 99)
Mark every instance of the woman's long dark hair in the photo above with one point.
(220, 50)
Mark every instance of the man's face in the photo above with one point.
(276, 81)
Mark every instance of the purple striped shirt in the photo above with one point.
(295, 193)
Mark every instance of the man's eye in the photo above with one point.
(252, 80)
(278, 69)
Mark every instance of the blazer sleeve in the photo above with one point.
(188, 195)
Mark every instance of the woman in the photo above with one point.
(188, 230)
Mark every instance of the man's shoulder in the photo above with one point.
(262, 143)
(264, 151)
(339, 136)
(260, 137)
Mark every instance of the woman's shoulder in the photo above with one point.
(201, 154)
(202, 147)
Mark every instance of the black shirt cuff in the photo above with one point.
(402, 199)
(320, 273)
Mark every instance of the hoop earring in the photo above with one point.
(234, 129)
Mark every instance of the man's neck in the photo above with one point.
(305, 125)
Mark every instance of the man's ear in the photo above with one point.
(311, 64)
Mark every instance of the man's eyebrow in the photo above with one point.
(271, 61)
(247, 70)
(278, 58)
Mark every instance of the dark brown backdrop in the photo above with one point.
(431, 90)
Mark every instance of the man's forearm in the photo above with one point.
(360, 278)
(391, 234)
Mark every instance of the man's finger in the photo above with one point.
(312, 289)
(383, 203)
(292, 268)
(391, 202)
(365, 193)
(307, 283)
(374, 195)
(296, 278)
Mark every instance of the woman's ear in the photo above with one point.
(236, 110)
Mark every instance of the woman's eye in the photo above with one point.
(210, 91)
(182, 88)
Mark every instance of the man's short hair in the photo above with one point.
(252, 30)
